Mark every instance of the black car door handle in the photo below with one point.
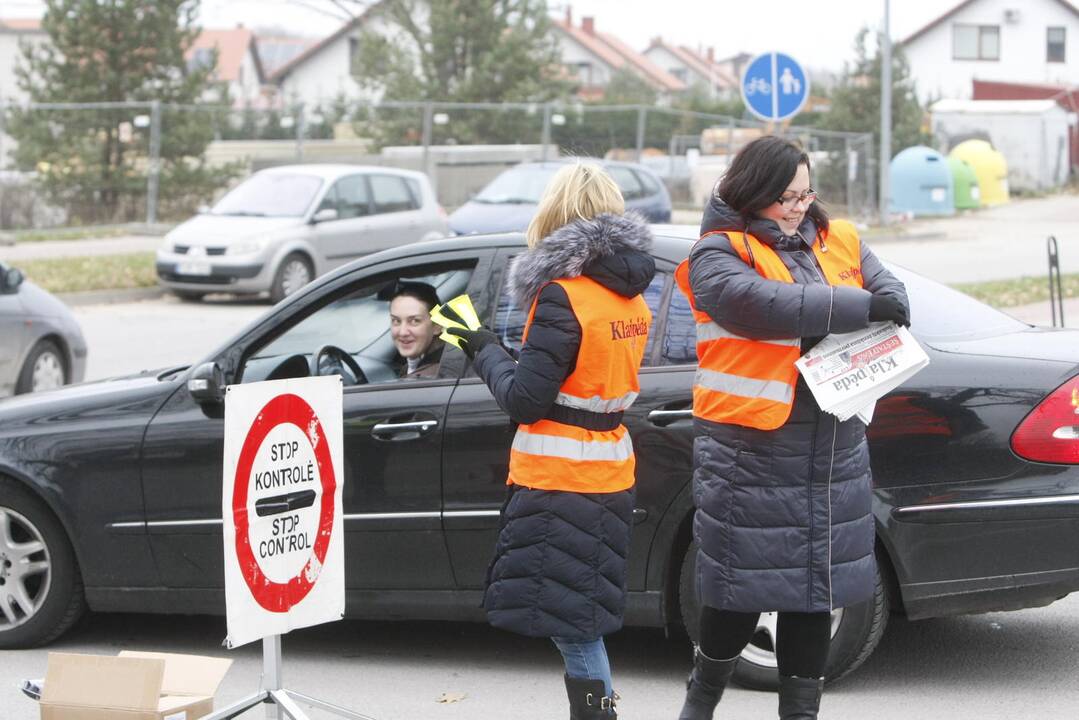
(389, 429)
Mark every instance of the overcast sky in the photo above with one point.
(818, 33)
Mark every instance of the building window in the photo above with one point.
(976, 42)
(680, 74)
(1054, 45)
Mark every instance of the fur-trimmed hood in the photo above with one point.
(610, 249)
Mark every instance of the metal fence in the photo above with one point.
(153, 162)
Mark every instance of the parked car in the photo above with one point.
(508, 202)
(975, 461)
(285, 226)
(41, 344)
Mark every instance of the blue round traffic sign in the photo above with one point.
(774, 86)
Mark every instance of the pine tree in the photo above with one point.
(94, 162)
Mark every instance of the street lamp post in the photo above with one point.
(885, 115)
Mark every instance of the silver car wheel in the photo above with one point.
(48, 372)
(762, 648)
(294, 276)
(25, 569)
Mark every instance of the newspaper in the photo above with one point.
(457, 312)
(848, 373)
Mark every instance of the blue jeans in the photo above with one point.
(586, 660)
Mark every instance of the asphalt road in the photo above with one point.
(1007, 666)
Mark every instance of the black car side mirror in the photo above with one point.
(207, 384)
(12, 279)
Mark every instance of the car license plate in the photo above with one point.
(193, 268)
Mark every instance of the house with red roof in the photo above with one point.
(592, 58)
(238, 63)
(694, 68)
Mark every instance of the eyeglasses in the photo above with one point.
(789, 201)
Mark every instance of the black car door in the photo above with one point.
(393, 439)
(479, 434)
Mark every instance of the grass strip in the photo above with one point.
(87, 233)
(1018, 291)
(92, 272)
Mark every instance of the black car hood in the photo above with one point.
(1034, 343)
(47, 403)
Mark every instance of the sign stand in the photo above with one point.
(274, 694)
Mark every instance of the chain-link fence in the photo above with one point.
(112, 163)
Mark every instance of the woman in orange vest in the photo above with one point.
(559, 567)
(782, 490)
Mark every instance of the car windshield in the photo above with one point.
(270, 195)
(517, 186)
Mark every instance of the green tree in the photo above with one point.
(855, 102)
(464, 51)
(94, 162)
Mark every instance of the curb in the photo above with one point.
(936, 235)
(108, 297)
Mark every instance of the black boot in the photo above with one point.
(705, 686)
(587, 700)
(799, 698)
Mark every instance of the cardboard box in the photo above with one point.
(131, 685)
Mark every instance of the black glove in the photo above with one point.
(888, 307)
(473, 341)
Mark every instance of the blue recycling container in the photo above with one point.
(921, 183)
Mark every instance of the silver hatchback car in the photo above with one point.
(282, 227)
(41, 344)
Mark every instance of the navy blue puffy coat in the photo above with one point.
(783, 519)
(559, 567)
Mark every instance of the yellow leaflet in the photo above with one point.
(458, 312)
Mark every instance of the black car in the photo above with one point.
(110, 492)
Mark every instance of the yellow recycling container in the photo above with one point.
(990, 167)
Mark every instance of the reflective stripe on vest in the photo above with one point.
(551, 455)
(750, 382)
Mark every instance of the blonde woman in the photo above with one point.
(559, 564)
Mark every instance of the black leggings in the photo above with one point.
(802, 645)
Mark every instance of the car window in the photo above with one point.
(523, 184)
(357, 322)
(651, 187)
(353, 198)
(416, 191)
(270, 195)
(627, 182)
(679, 332)
(391, 194)
(510, 317)
(329, 200)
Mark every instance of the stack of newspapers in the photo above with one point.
(848, 373)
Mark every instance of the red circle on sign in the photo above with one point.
(271, 595)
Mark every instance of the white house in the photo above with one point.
(1022, 41)
(14, 31)
(238, 63)
(326, 70)
(592, 58)
(692, 68)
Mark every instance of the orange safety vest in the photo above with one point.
(549, 455)
(751, 382)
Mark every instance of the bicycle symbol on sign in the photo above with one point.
(758, 85)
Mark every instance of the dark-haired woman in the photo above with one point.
(781, 489)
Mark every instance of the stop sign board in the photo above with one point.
(281, 507)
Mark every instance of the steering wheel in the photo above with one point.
(332, 360)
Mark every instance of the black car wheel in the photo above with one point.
(41, 593)
(44, 369)
(292, 274)
(855, 632)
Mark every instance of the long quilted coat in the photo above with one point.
(559, 567)
(783, 517)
